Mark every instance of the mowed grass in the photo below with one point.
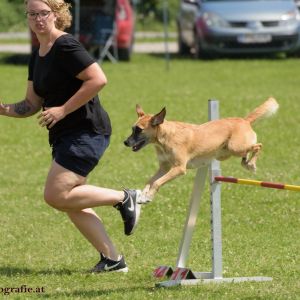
(41, 248)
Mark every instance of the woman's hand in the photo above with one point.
(51, 115)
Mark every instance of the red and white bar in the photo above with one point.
(265, 184)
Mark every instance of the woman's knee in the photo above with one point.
(59, 183)
(54, 200)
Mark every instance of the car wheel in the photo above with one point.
(199, 52)
(124, 54)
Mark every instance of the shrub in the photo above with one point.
(11, 16)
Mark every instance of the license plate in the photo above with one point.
(253, 38)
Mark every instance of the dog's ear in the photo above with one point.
(158, 118)
(139, 111)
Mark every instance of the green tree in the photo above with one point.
(12, 15)
(151, 12)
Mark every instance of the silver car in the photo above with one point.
(210, 27)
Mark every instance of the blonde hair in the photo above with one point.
(62, 12)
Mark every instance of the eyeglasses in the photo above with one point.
(43, 14)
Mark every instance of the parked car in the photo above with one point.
(123, 14)
(211, 27)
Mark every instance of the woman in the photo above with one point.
(64, 82)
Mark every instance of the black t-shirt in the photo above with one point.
(54, 79)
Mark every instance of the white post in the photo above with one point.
(199, 185)
(191, 217)
(215, 202)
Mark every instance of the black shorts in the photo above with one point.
(80, 152)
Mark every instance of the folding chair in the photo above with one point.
(103, 37)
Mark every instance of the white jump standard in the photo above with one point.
(180, 275)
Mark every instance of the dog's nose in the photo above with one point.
(126, 143)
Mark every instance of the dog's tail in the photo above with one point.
(267, 109)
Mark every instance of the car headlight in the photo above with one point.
(214, 20)
(290, 18)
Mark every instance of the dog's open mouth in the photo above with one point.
(138, 145)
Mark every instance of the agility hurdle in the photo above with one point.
(181, 275)
(271, 185)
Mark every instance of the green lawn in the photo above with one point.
(15, 40)
(40, 248)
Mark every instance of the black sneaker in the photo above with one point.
(130, 210)
(108, 265)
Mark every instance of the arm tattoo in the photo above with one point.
(22, 108)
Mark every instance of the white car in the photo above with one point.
(211, 27)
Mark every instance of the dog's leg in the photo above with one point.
(145, 198)
(170, 175)
(249, 161)
(254, 155)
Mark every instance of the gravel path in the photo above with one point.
(148, 47)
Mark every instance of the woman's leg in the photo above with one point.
(91, 227)
(60, 182)
(67, 190)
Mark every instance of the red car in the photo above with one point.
(124, 19)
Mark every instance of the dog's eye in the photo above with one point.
(136, 130)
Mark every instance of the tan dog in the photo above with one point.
(182, 146)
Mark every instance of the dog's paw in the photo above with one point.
(250, 167)
(143, 199)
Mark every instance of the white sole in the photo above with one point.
(124, 270)
(137, 216)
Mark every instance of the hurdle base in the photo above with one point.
(206, 278)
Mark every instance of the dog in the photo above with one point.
(181, 146)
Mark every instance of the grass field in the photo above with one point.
(40, 248)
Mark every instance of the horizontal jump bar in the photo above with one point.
(271, 185)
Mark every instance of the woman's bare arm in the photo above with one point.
(24, 108)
